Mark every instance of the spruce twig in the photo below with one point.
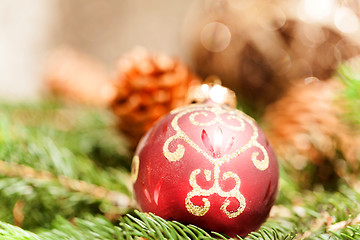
(350, 75)
(10, 232)
(46, 179)
(55, 162)
(118, 199)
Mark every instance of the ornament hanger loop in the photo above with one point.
(212, 91)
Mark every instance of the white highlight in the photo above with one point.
(317, 9)
(345, 20)
(218, 94)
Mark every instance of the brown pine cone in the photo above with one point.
(76, 77)
(257, 48)
(306, 124)
(148, 86)
(304, 121)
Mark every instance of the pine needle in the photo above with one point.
(59, 179)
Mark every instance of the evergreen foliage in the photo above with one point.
(58, 143)
(350, 76)
(64, 174)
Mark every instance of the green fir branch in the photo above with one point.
(47, 149)
(10, 232)
(56, 143)
(349, 73)
(134, 226)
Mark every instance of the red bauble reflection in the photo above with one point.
(208, 165)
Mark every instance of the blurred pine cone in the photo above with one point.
(77, 77)
(258, 47)
(306, 126)
(305, 119)
(148, 86)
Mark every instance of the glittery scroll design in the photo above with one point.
(218, 114)
(198, 191)
(135, 168)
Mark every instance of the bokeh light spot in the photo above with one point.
(314, 35)
(316, 10)
(346, 20)
(215, 37)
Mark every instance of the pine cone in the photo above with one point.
(76, 77)
(147, 87)
(305, 121)
(270, 46)
(306, 126)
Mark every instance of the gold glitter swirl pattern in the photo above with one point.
(207, 175)
(135, 168)
(197, 210)
(241, 117)
(179, 152)
(218, 119)
(201, 124)
(260, 164)
(205, 110)
(215, 189)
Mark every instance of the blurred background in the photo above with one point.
(102, 29)
(252, 46)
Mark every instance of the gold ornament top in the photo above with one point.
(213, 91)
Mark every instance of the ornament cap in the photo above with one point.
(212, 91)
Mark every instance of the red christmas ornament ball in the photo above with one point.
(208, 165)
